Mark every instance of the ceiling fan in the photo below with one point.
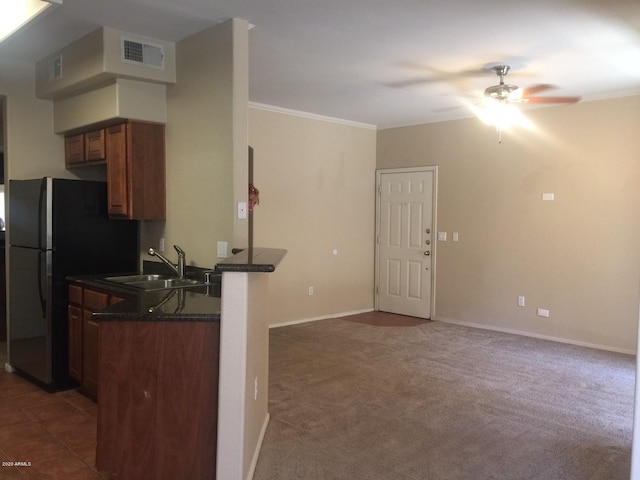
(507, 93)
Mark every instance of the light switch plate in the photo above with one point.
(222, 249)
(442, 236)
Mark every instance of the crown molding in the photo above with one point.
(311, 116)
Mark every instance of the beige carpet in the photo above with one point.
(355, 398)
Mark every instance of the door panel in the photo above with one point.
(30, 328)
(404, 251)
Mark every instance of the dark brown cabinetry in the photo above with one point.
(134, 152)
(83, 334)
(82, 149)
(136, 170)
(157, 415)
(74, 150)
(94, 146)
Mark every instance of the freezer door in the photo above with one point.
(29, 220)
(30, 312)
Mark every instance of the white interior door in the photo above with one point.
(405, 239)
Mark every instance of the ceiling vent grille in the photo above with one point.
(55, 68)
(142, 53)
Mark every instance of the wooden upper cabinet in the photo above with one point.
(135, 154)
(74, 154)
(94, 146)
(117, 184)
(84, 149)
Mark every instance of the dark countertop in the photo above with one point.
(257, 259)
(195, 304)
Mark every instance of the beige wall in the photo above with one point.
(577, 256)
(317, 182)
(31, 149)
(206, 143)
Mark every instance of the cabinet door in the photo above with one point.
(117, 174)
(93, 301)
(75, 342)
(91, 330)
(128, 400)
(146, 169)
(95, 148)
(74, 150)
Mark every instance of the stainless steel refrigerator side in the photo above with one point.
(61, 228)
(30, 279)
(47, 274)
(28, 333)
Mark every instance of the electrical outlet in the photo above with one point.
(242, 210)
(161, 244)
(310, 291)
(521, 301)
(543, 312)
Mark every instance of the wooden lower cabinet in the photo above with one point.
(157, 415)
(83, 334)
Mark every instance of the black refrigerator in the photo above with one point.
(56, 228)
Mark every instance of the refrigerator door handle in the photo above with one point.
(42, 285)
(41, 212)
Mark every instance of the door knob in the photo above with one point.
(427, 253)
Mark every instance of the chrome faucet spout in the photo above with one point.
(179, 269)
(181, 260)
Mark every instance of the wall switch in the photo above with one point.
(222, 249)
(454, 236)
(547, 197)
(442, 236)
(310, 291)
(521, 301)
(542, 312)
(161, 244)
(242, 210)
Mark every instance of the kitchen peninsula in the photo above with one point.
(169, 358)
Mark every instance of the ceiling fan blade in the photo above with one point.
(410, 82)
(551, 100)
(541, 87)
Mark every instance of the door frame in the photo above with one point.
(434, 208)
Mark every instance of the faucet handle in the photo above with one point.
(179, 250)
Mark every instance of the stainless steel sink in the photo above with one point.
(163, 284)
(154, 282)
(136, 278)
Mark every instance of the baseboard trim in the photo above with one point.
(324, 317)
(256, 453)
(535, 335)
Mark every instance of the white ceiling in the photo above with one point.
(357, 59)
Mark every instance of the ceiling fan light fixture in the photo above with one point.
(501, 115)
(500, 92)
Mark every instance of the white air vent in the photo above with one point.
(55, 68)
(142, 53)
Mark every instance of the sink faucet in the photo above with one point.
(179, 268)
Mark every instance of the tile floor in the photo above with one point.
(55, 433)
